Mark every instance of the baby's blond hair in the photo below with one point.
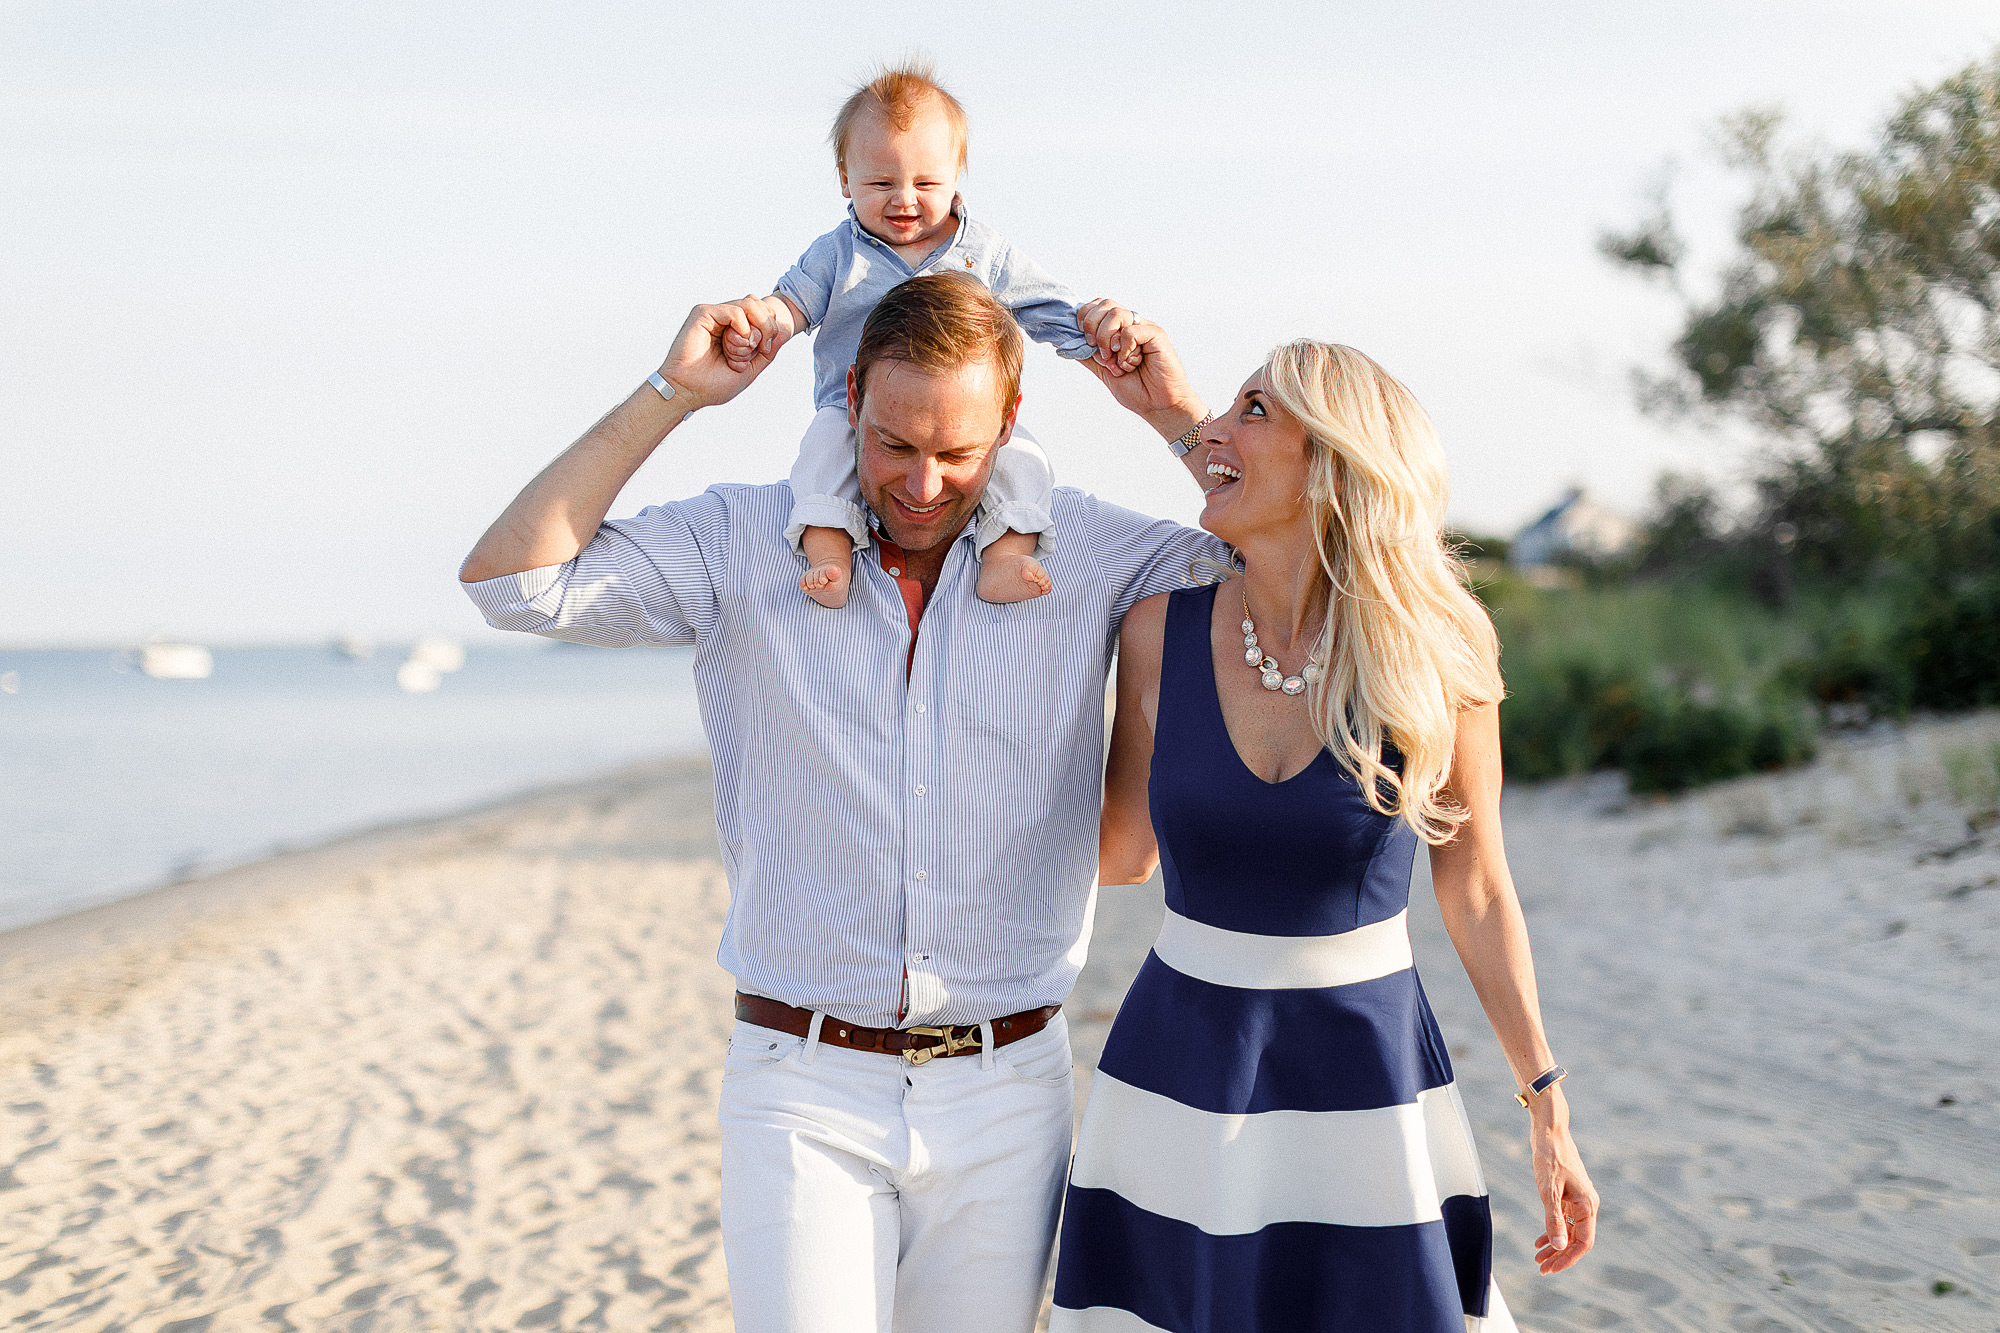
(900, 93)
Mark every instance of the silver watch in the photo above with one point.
(1182, 444)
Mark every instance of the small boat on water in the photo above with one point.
(353, 647)
(163, 660)
(445, 655)
(431, 659)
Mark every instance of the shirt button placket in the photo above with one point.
(919, 760)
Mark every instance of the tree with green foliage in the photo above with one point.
(1858, 327)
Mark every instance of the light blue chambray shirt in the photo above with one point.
(843, 274)
(945, 825)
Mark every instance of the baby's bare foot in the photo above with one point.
(1012, 578)
(826, 583)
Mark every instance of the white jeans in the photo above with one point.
(864, 1194)
(825, 493)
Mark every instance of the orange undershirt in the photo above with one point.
(896, 565)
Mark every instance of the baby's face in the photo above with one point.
(902, 181)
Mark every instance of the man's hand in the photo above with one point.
(1139, 366)
(702, 361)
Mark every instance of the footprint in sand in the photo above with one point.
(1647, 1287)
(1979, 1247)
(1873, 1272)
(1791, 1257)
(1831, 1203)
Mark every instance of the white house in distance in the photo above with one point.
(1577, 525)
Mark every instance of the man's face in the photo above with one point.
(924, 445)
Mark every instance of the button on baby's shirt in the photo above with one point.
(895, 571)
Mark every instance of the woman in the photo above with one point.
(1274, 1143)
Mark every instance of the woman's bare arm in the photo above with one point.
(1126, 850)
(1483, 916)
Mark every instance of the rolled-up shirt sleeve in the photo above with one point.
(1140, 556)
(1043, 307)
(810, 283)
(655, 578)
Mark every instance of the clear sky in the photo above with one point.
(295, 297)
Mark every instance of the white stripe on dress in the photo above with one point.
(1448, 1131)
(1284, 962)
(1099, 1319)
(1234, 1174)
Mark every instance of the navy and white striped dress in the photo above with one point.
(1273, 1142)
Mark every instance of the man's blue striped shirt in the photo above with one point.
(945, 826)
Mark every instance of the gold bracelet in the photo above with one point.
(1548, 1078)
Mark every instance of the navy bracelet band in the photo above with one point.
(1548, 1079)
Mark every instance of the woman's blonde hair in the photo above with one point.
(1406, 646)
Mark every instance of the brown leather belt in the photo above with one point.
(917, 1045)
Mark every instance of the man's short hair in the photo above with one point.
(940, 322)
(900, 93)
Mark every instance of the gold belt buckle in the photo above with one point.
(946, 1044)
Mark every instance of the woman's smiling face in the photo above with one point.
(1259, 461)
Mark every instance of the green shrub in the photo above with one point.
(1568, 720)
(1855, 663)
(1952, 646)
(1675, 686)
(1681, 743)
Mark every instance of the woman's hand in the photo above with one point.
(1569, 1200)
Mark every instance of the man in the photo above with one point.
(910, 836)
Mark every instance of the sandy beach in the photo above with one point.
(462, 1074)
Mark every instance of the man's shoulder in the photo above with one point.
(746, 505)
(1108, 528)
(1080, 505)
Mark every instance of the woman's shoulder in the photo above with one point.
(1145, 627)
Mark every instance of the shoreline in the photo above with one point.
(461, 1071)
(149, 914)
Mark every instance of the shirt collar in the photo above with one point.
(970, 530)
(862, 234)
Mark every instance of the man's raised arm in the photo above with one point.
(557, 513)
(1143, 372)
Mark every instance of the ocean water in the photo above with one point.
(112, 782)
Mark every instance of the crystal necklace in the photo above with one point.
(1258, 660)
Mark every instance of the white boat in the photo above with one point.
(353, 647)
(443, 656)
(175, 661)
(415, 677)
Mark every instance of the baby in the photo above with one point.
(899, 145)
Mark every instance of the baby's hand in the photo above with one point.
(1105, 324)
(771, 325)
